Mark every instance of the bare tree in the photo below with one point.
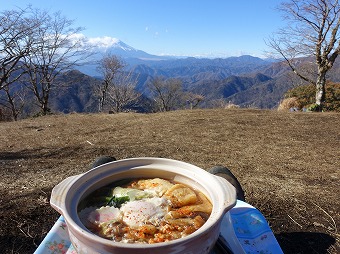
(14, 100)
(56, 49)
(167, 93)
(193, 99)
(15, 43)
(313, 30)
(122, 92)
(109, 66)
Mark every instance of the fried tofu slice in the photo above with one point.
(181, 195)
(157, 185)
(203, 206)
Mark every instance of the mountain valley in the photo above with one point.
(245, 81)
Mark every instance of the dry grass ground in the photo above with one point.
(288, 164)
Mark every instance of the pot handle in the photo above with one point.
(229, 193)
(59, 192)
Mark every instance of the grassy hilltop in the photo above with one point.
(288, 164)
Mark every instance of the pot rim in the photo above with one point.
(192, 173)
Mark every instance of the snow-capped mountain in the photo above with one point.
(104, 45)
(107, 42)
(101, 46)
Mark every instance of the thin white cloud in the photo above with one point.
(101, 42)
(104, 41)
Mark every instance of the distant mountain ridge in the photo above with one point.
(246, 81)
(165, 64)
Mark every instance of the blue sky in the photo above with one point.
(211, 28)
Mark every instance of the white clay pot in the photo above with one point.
(66, 196)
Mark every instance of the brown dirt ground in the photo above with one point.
(287, 163)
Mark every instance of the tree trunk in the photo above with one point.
(11, 102)
(320, 89)
(44, 109)
(44, 106)
(101, 102)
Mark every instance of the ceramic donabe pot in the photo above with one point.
(67, 195)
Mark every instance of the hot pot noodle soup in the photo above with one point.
(144, 211)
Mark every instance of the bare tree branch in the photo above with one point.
(56, 49)
(117, 92)
(168, 94)
(109, 66)
(313, 30)
(15, 42)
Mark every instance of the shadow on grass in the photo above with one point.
(25, 219)
(305, 242)
(77, 152)
(39, 153)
